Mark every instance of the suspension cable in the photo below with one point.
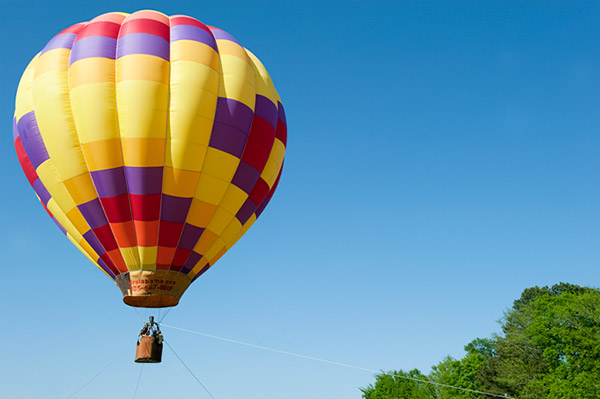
(139, 313)
(138, 381)
(188, 369)
(100, 372)
(164, 315)
(334, 363)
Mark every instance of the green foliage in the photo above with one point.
(398, 385)
(458, 373)
(551, 345)
(550, 348)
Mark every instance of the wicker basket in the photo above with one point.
(148, 350)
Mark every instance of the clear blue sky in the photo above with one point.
(442, 157)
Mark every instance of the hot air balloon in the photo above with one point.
(153, 141)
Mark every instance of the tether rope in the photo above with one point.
(138, 381)
(188, 369)
(331, 362)
(97, 374)
(161, 318)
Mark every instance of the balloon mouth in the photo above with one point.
(151, 301)
(152, 288)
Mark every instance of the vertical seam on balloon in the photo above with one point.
(259, 76)
(203, 161)
(139, 255)
(243, 150)
(53, 215)
(121, 146)
(88, 168)
(167, 128)
(56, 172)
(261, 207)
(122, 154)
(167, 134)
(221, 75)
(240, 161)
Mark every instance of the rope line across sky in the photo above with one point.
(332, 362)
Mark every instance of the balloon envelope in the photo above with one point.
(154, 142)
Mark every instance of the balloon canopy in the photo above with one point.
(153, 142)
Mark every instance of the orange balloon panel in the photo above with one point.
(154, 142)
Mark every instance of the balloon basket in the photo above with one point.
(148, 350)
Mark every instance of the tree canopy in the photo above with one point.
(549, 348)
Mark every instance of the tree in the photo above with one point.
(465, 373)
(550, 348)
(551, 345)
(398, 385)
